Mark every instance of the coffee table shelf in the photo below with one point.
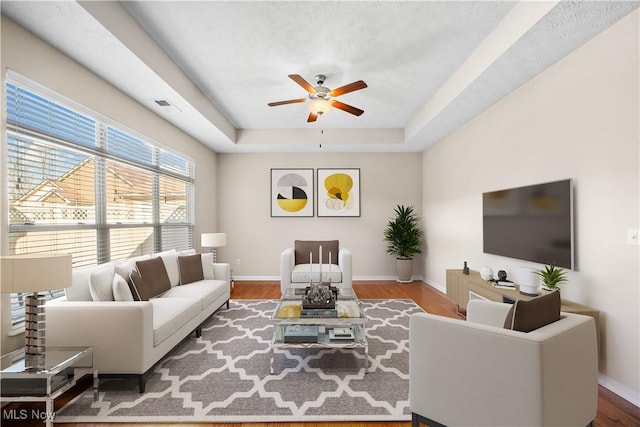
(349, 315)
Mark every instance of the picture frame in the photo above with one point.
(292, 192)
(338, 192)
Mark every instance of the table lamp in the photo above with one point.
(213, 241)
(32, 274)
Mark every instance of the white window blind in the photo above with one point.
(83, 185)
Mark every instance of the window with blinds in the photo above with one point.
(81, 184)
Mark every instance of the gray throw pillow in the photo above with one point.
(527, 316)
(155, 280)
(190, 269)
(303, 248)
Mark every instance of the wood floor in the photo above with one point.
(613, 411)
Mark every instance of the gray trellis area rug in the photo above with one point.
(224, 375)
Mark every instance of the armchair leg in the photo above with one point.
(416, 420)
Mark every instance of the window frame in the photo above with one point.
(164, 162)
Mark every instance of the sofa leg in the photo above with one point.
(199, 331)
(227, 304)
(141, 383)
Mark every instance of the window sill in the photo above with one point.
(18, 330)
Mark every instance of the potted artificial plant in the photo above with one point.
(551, 277)
(404, 240)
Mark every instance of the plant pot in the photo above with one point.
(404, 269)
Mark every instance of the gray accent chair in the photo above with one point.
(478, 373)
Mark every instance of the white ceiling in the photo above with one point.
(429, 66)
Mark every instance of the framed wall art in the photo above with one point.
(338, 192)
(292, 192)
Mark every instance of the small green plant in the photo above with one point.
(552, 276)
(403, 234)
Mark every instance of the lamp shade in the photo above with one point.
(213, 240)
(35, 272)
(319, 106)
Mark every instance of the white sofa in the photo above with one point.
(480, 373)
(298, 268)
(129, 337)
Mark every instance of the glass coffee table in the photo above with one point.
(342, 327)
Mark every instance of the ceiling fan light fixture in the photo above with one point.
(319, 106)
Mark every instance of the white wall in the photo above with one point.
(24, 53)
(580, 120)
(257, 239)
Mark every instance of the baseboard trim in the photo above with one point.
(633, 396)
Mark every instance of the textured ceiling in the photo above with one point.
(429, 66)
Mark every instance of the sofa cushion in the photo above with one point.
(526, 316)
(304, 273)
(206, 291)
(190, 269)
(170, 261)
(121, 289)
(80, 282)
(303, 248)
(170, 314)
(136, 284)
(155, 276)
(100, 284)
(208, 269)
(124, 267)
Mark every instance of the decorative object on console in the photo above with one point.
(213, 241)
(486, 273)
(35, 273)
(404, 239)
(465, 269)
(527, 280)
(552, 277)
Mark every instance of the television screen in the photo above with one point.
(533, 223)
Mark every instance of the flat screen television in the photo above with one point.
(533, 223)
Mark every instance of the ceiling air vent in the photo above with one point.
(167, 106)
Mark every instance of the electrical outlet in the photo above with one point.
(633, 236)
(237, 261)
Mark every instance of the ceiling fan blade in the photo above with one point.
(345, 107)
(348, 88)
(302, 82)
(312, 117)
(290, 101)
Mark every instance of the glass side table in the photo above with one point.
(63, 367)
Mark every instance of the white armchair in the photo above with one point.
(478, 373)
(300, 265)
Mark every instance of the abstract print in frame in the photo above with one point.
(338, 192)
(292, 192)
